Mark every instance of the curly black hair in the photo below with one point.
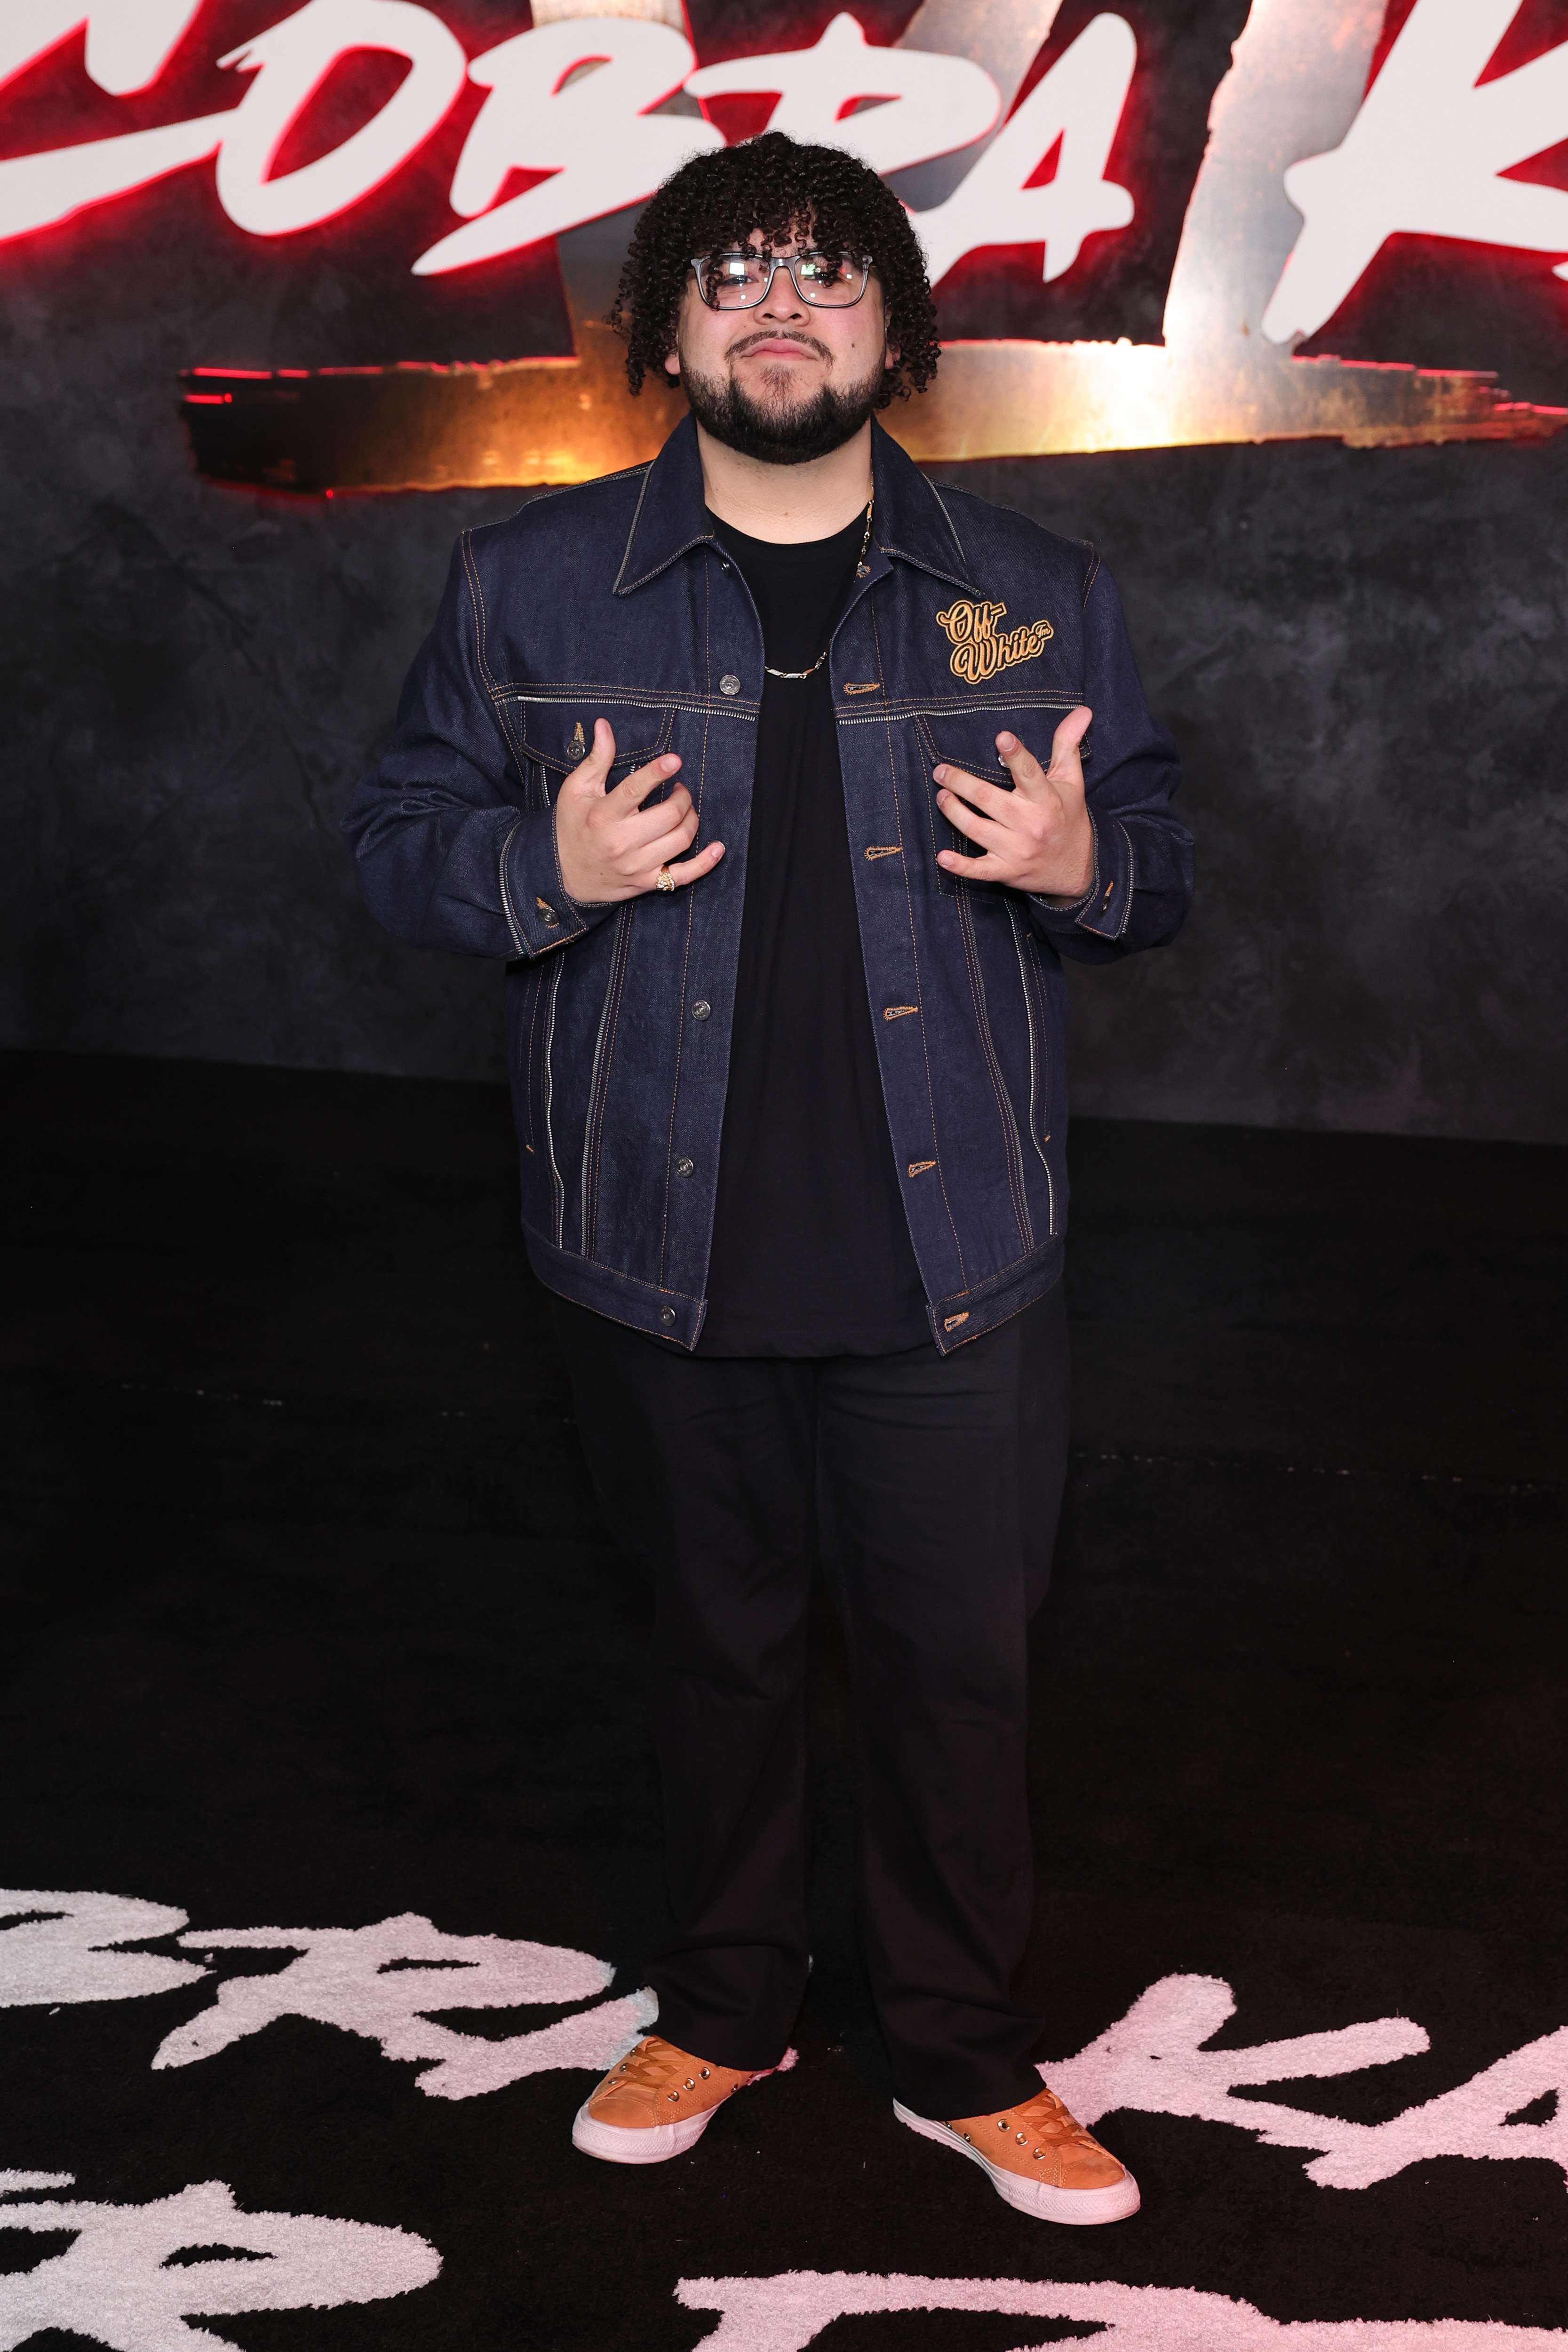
(784, 188)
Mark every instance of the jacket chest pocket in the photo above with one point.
(967, 739)
(553, 736)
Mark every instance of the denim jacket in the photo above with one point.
(615, 600)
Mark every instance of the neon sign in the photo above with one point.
(1307, 175)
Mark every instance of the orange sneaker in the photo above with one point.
(656, 2103)
(1040, 2160)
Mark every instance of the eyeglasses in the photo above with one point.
(739, 281)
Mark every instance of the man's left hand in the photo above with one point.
(1037, 837)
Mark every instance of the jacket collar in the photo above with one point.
(911, 520)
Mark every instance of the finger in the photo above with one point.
(641, 826)
(985, 869)
(634, 789)
(692, 869)
(668, 843)
(588, 775)
(992, 798)
(977, 828)
(1066, 739)
(1019, 762)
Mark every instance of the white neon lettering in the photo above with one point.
(294, 59)
(128, 42)
(36, 190)
(933, 104)
(116, 2283)
(787, 2312)
(594, 134)
(1078, 101)
(1423, 157)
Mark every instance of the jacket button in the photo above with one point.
(686, 1167)
(547, 914)
(666, 1315)
(701, 1009)
(728, 683)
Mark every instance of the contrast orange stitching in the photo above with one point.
(896, 1012)
(617, 985)
(890, 849)
(477, 594)
(532, 1029)
(1000, 1274)
(609, 1314)
(875, 688)
(919, 1167)
(1005, 1114)
(686, 953)
(952, 1322)
(914, 951)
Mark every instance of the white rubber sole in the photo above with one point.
(654, 2143)
(1080, 2207)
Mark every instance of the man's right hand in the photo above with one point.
(608, 846)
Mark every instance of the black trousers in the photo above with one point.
(929, 1487)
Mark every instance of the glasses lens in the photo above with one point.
(830, 278)
(737, 280)
(734, 281)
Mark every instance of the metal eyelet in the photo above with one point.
(706, 2071)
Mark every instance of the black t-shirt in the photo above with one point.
(811, 1247)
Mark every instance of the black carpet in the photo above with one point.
(311, 1632)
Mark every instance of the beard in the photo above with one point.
(771, 433)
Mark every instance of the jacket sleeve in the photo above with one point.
(447, 852)
(1142, 883)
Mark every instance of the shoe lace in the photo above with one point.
(648, 2067)
(1047, 2119)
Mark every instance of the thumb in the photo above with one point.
(587, 780)
(1065, 762)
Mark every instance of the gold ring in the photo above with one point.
(666, 878)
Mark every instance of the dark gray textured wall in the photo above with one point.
(1363, 654)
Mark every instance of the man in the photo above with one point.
(763, 767)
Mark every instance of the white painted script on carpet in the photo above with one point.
(786, 2313)
(134, 2274)
(386, 1981)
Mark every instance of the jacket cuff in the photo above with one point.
(539, 915)
(1106, 905)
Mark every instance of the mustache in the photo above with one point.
(744, 344)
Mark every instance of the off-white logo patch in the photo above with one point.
(978, 651)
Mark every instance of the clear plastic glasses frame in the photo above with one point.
(827, 282)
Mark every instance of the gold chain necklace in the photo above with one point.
(859, 575)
